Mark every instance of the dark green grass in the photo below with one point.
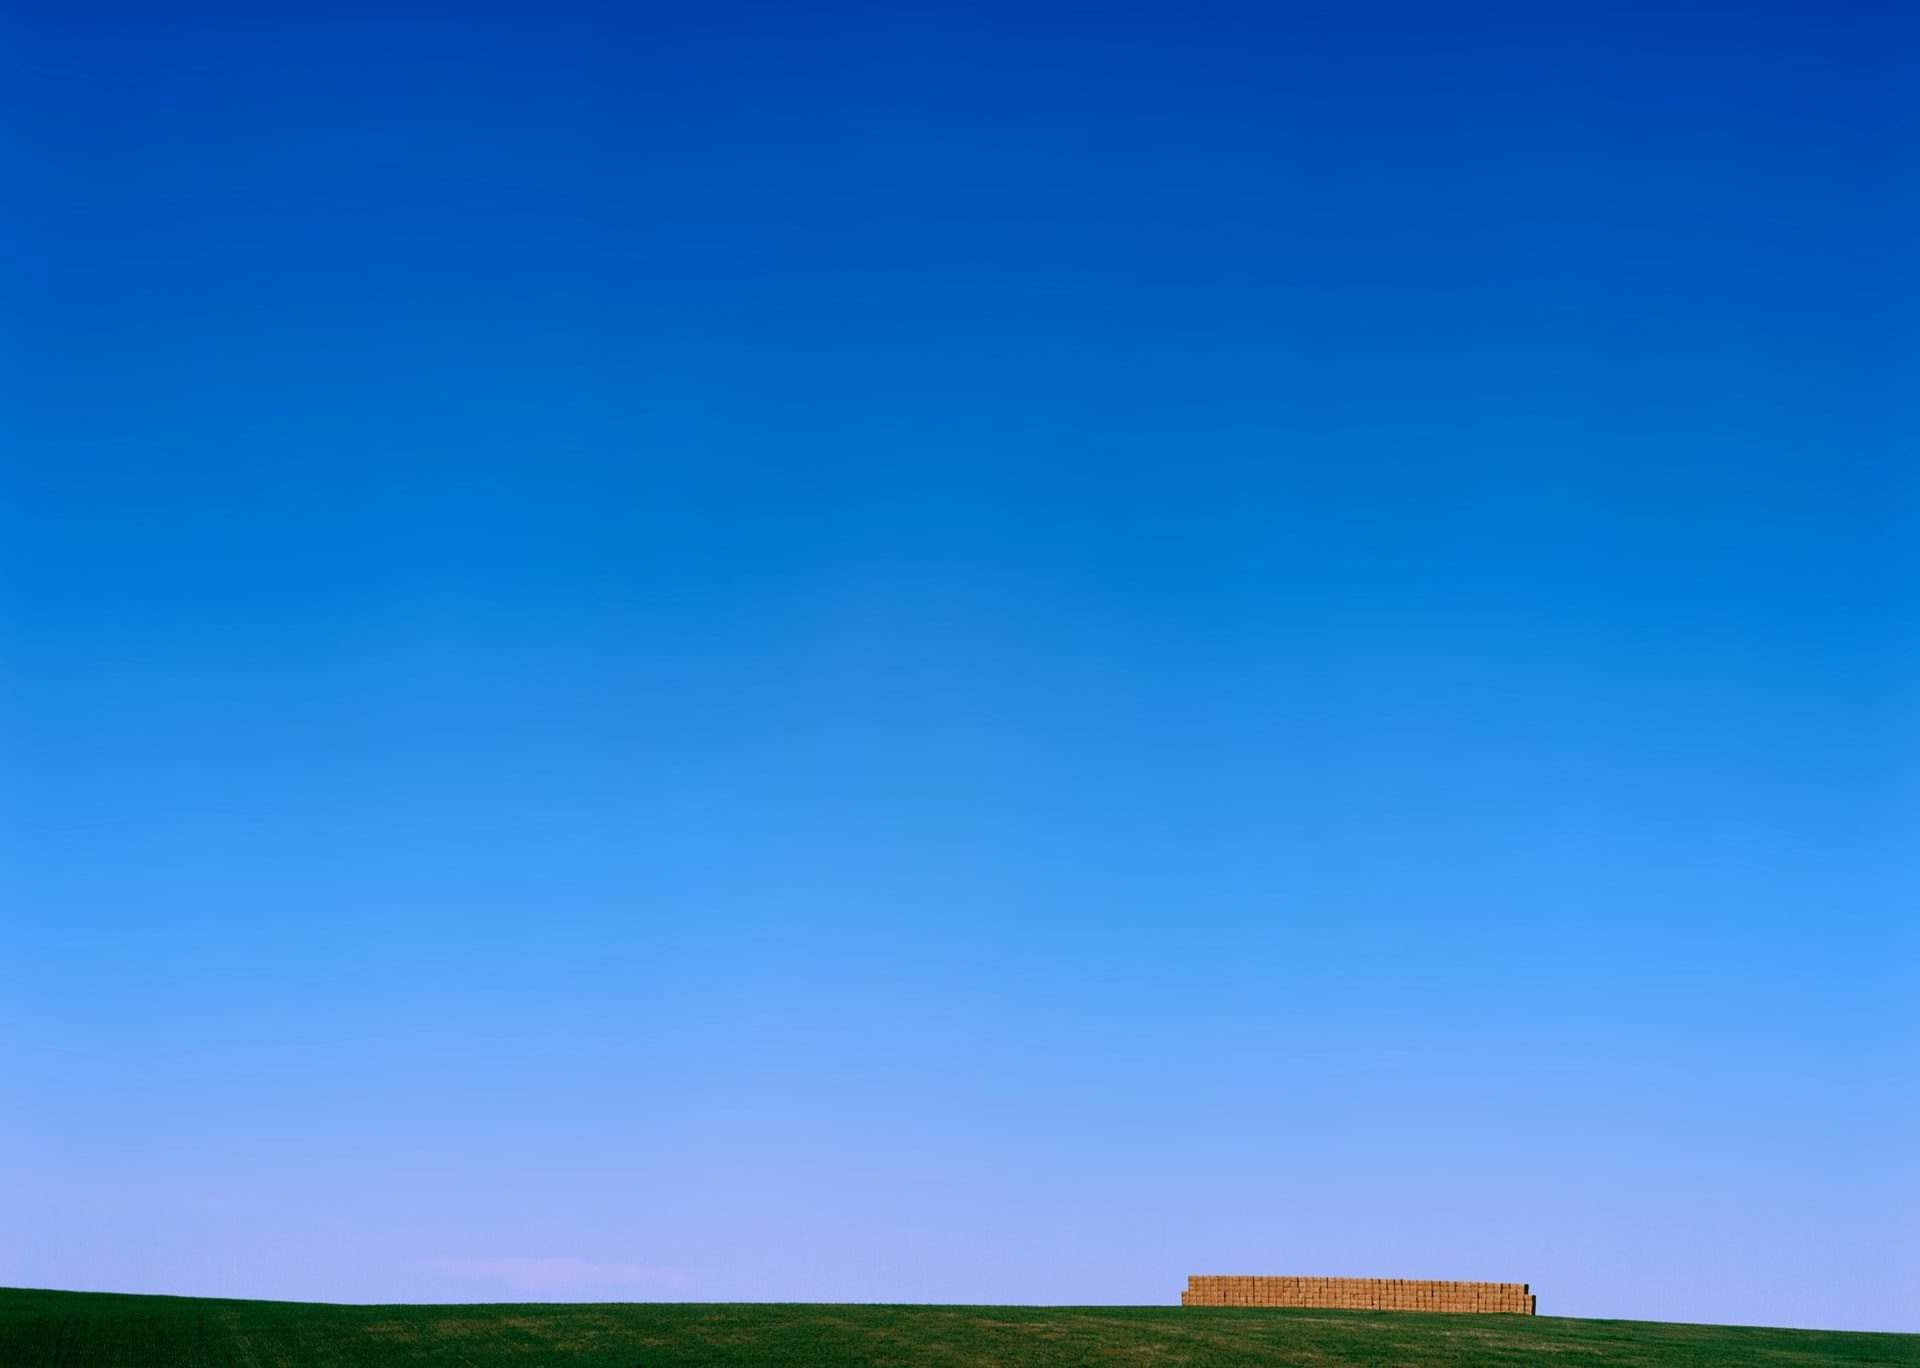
(93, 1330)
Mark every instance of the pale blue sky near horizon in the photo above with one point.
(961, 653)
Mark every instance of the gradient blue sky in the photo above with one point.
(962, 653)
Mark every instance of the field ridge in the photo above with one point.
(52, 1329)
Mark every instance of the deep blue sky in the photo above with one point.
(991, 653)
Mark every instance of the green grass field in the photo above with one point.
(93, 1330)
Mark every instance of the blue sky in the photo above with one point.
(988, 653)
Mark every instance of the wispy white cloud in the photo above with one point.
(548, 1277)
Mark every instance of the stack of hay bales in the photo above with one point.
(1360, 1294)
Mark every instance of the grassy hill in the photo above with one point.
(85, 1330)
